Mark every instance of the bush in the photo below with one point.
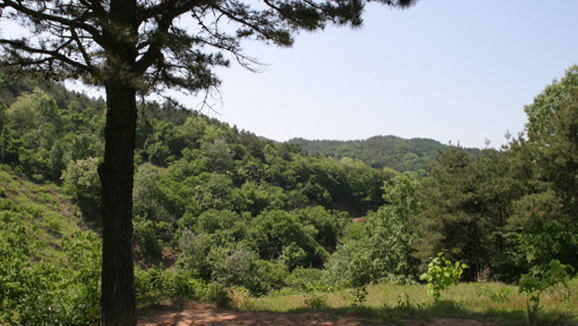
(154, 285)
(350, 265)
(192, 261)
(535, 284)
(43, 293)
(306, 280)
(441, 274)
(81, 179)
(201, 257)
(145, 236)
(315, 301)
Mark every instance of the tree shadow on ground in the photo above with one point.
(406, 311)
(91, 214)
(446, 313)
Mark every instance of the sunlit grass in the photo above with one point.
(41, 208)
(499, 303)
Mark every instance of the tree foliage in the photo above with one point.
(385, 253)
(412, 155)
(510, 210)
(45, 293)
(549, 212)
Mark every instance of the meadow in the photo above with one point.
(498, 303)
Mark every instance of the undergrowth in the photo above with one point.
(39, 206)
(494, 302)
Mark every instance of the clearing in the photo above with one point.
(207, 315)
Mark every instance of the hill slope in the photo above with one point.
(40, 207)
(381, 151)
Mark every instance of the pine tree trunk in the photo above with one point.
(118, 300)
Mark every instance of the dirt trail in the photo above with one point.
(205, 315)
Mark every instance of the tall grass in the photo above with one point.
(496, 302)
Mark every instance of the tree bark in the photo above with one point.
(118, 301)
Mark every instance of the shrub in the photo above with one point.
(535, 284)
(43, 293)
(306, 280)
(145, 236)
(81, 179)
(192, 261)
(315, 301)
(154, 285)
(218, 295)
(359, 296)
(441, 274)
(350, 265)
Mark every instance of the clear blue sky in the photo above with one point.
(451, 70)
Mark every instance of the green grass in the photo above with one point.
(40, 207)
(495, 302)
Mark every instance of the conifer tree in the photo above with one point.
(137, 47)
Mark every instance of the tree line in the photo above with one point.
(413, 155)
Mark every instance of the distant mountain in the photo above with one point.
(400, 154)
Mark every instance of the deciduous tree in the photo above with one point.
(548, 213)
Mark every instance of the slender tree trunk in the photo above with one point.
(118, 300)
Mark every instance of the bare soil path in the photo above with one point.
(206, 315)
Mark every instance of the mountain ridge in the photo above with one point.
(400, 154)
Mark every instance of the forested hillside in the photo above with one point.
(416, 154)
(207, 196)
(216, 207)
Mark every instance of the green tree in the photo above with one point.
(385, 252)
(277, 233)
(395, 224)
(226, 227)
(192, 260)
(80, 179)
(547, 104)
(135, 47)
(34, 128)
(546, 217)
(351, 265)
(469, 203)
(323, 225)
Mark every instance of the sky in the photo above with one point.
(451, 70)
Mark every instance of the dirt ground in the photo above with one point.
(206, 315)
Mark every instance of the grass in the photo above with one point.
(495, 302)
(40, 207)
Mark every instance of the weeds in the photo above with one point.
(241, 299)
(535, 285)
(316, 301)
(359, 296)
(502, 295)
(494, 302)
